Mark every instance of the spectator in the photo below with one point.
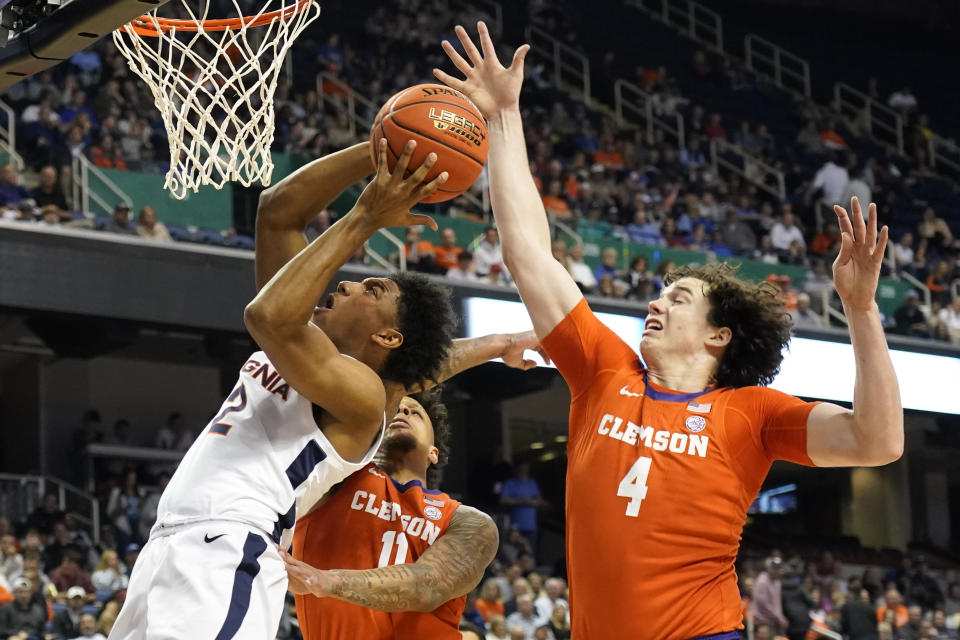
(809, 138)
(109, 574)
(78, 105)
(640, 280)
(46, 515)
(903, 101)
(831, 180)
(11, 562)
(608, 264)
(671, 235)
(554, 201)
(495, 276)
(148, 227)
(488, 252)
(858, 619)
(447, 252)
(49, 193)
(130, 554)
(747, 139)
(797, 605)
(11, 192)
(858, 187)
(88, 629)
(32, 565)
(765, 252)
(938, 282)
(522, 495)
(554, 590)
(174, 435)
(934, 230)
(148, 513)
(714, 128)
(121, 433)
(53, 552)
(89, 431)
(642, 230)
(893, 602)
(120, 222)
(784, 232)
(912, 629)
(608, 156)
(950, 316)
(525, 617)
(418, 252)
(831, 139)
(123, 508)
(767, 598)
(464, 270)
(579, 270)
(951, 602)
(66, 623)
(69, 574)
(803, 316)
(490, 602)
(903, 252)
(107, 155)
(736, 233)
(22, 618)
(559, 622)
(909, 317)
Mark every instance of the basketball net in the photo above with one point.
(213, 82)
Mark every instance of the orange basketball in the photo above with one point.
(441, 120)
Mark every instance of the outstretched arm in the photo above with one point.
(287, 207)
(872, 433)
(451, 567)
(546, 287)
(280, 318)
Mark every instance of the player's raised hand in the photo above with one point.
(517, 345)
(856, 270)
(387, 199)
(490, 85)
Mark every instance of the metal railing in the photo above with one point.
(943, 153)
(570, 69)
(753, 169)
(827, 311)
(634, 107)
(877, 120)
(83, 194)
(346, 101)
(489, 7)
(8, 136)
(896, 273)
(567, 230)
(787, 70)
(22, 494)
(690, 18)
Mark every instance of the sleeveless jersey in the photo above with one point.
(658, 487)
(372, 521)
(259, 460)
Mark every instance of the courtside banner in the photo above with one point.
(817, 369)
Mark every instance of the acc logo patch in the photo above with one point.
(433, 513)
(695, 424)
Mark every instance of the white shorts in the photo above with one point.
(210, 580)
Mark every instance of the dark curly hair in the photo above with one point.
(756, 316)
(432, 403)
(426, 320)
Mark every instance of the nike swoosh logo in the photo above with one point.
(208, 539)
(625, 392)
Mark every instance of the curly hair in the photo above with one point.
(426, 320)
(756, 317)
(432, 403)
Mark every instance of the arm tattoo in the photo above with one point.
(466, 353)
(452, 566)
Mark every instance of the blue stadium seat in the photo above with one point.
(240, 241)
(99, 222)
(209, 236)
(103, 595)
(92, 609)
(179, 233)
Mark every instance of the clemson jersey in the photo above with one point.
(373, 521)
(658, 487)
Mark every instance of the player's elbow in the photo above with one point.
(884, 449)
(259, 320)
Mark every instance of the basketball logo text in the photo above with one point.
(457, 124)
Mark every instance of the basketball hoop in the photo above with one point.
(213, 81)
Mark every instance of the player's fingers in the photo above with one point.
(486, 43)
(859, 226)
(846, 249)
(843, 219)
(881, 248)
(518, 57)
(419, 218)
(450, 81)
(543, 354)
(871, 225)
(421, 172)
(383, 169)
(456, 58)
(431, 186)
(528, 364)
(468, 46)
(402, 162)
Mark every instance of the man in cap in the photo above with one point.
(66, 623)
(20, 618)
(767, 598)
(910, 319)
(120, 222)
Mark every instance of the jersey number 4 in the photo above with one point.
(634, 485)
(236, 401)
(388, 539)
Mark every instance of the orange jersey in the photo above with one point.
(372, 521)
(658, 487)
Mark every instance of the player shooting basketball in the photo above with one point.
(306, 412)
(665, 456)
(395, 542)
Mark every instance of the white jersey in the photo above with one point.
(258, 460)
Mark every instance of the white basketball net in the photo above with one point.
(215, 89)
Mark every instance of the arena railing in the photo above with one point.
(22, 494)
(83, 194)
(943, 153)
(348, 103)
(570, 68)
(690, 18)
(8, 136)
(753, 169)
(634, 107)
(787, 70)
(881, 123)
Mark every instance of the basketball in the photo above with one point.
(441, 120)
